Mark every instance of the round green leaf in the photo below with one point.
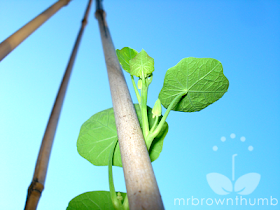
(124, 56)
(142, 63)
(98, 134)
(200, 80)
(96, 200)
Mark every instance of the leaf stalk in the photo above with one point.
(153, 134)
(143, 105)
(135, 89)
(115, 201)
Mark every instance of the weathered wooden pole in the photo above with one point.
(37, 185)
(19, 36)
(141, 185)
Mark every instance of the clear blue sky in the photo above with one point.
(243, 35)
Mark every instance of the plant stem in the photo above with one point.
(125, 203)
(116, 203)
(143, 106)
(153, 134)
(154, 125)
(136, 90)
(149, 139)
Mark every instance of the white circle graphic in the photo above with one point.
(242, 138)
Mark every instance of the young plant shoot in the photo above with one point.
(189, 86)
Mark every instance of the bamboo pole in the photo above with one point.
(19, 36)
(141, 185)
(37, 185)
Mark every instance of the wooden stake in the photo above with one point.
(19, 36)
(141, 185)
(37, 185)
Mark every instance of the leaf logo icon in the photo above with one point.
(219, 183)
(244, 185)
(247, 183)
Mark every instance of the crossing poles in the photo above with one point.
(19, 36)
(141, 185)
(37, 185)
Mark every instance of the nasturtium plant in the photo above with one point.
(124, 56)
(142, 65)
(190, 86)
(98, 134)
(198, 82)
(93, 200)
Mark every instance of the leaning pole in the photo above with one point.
(37, 185)
(141, 185)
(9, 44)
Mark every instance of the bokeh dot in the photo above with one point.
(215, 148)
(242, 139)
(250, 148)
(232, 135)
(223, 139)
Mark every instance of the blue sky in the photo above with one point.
(243, 35)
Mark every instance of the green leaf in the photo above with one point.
(200, 80)
(96, 200)
(141, 65)
(124, 56)
(99, 132)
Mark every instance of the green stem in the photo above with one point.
(125, 203)
(116, 203)
(143, 106)
(149, 139)
(154, 125)
(135, 89)
(153, 134)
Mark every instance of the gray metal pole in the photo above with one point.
(37, 185)
(19, 36)
(141, 185)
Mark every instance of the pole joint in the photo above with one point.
(99, 9)
(84, 22)
(35, 186)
